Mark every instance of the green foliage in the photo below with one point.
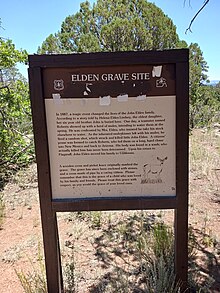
(162, 240)
(204, 99)
(120, 25)
(51, 45)
(16, 146)
(198, 68)
(131, 25)
(204, 107)
(156, 248)
(9, 56)
(15, 125)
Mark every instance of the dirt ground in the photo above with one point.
(21, 238)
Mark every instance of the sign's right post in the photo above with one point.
(182, 147)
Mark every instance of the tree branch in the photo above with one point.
(197, 13)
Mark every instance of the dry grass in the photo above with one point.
(205, 155)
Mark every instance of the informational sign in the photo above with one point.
(111, 133)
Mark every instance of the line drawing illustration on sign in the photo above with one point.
(152, 172)
(161, 82)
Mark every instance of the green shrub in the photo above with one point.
(16, 140)
(204, 110)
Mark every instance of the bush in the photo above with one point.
(16, 140)
(205, 109)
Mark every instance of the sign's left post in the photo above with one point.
(48, 216)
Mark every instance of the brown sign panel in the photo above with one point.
(151, 80)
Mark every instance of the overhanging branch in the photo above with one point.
(197, 13)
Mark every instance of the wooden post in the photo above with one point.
(181, 211)
(48, 216)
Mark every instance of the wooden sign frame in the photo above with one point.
(38, 65)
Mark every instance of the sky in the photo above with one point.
(27, 23)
